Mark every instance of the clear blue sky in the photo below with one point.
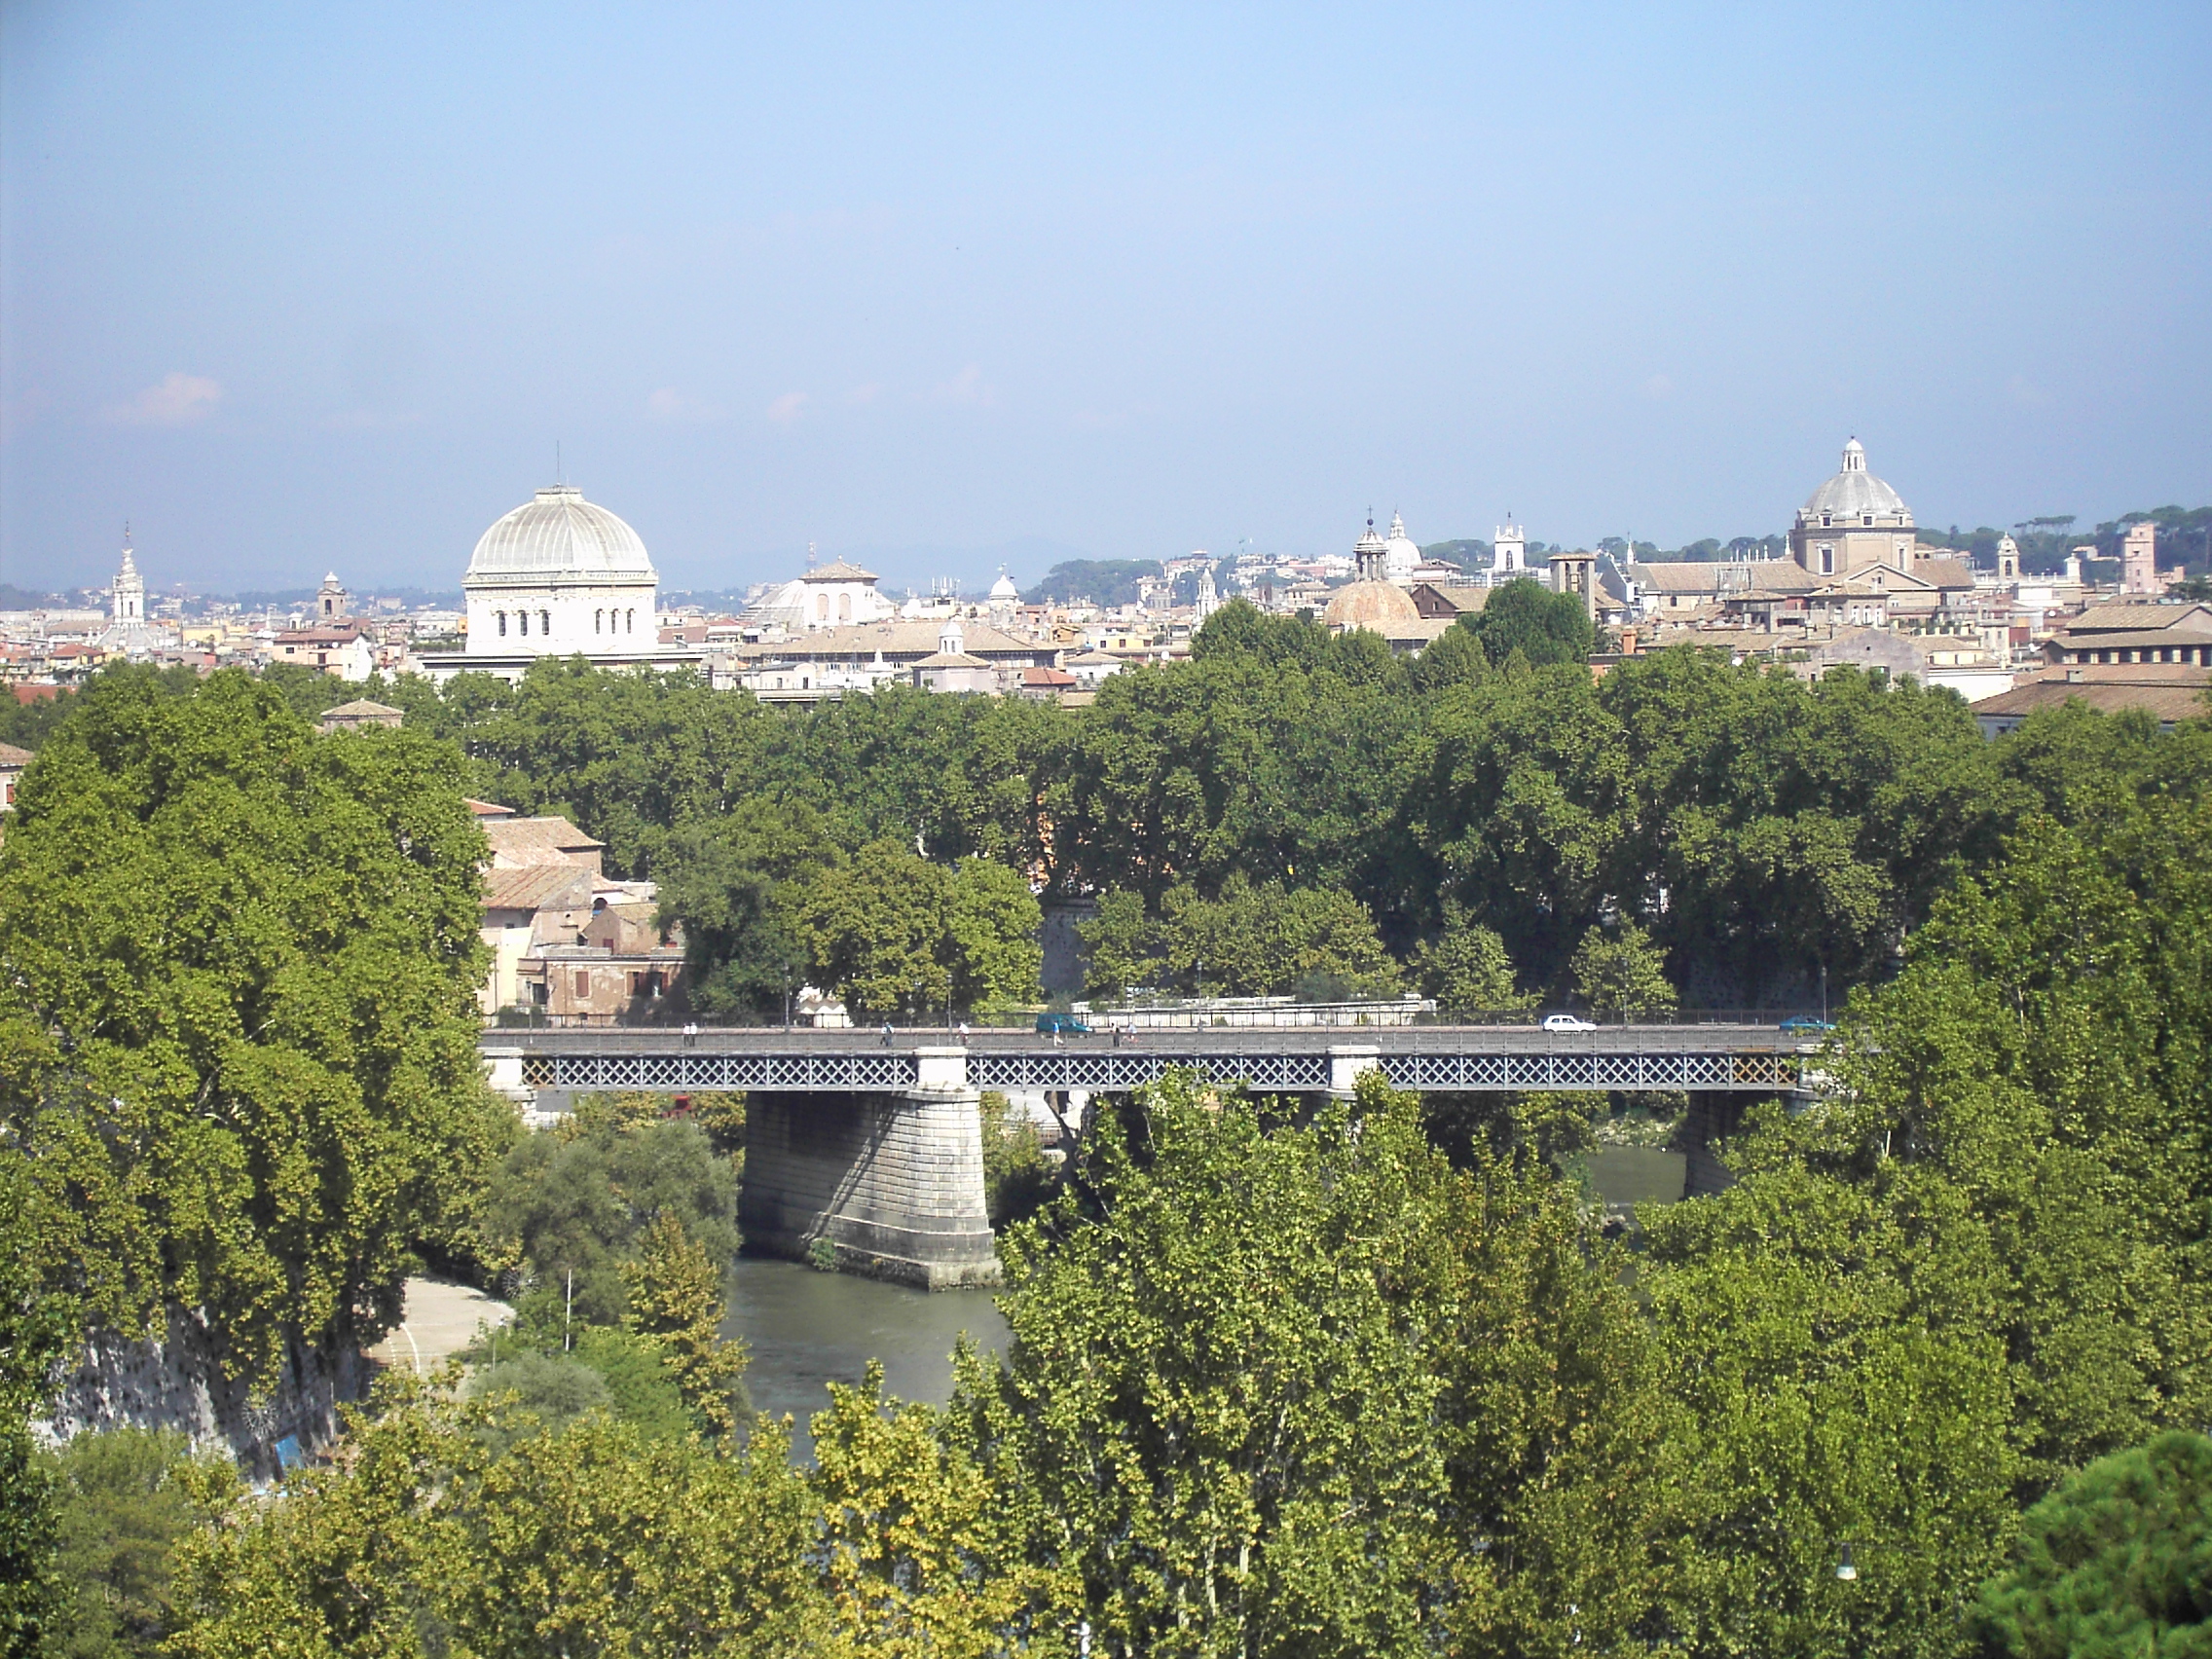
(304, 287)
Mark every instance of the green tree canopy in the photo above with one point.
(891, 932)
(1546, 627)
(1252, 941)
(1620, 974)
(2117, 1560)
(1304, 1389)
(241, 967)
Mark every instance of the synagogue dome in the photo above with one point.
(1365, 604)
(1853, 492)
(558, 536)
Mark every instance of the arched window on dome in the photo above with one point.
(1828, 559)
(629, 621)
(503, 624)
(1828, 521)
(521, 623)
(598, 619)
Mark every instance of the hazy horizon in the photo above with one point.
(305, 291)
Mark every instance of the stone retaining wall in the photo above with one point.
(177, 1383)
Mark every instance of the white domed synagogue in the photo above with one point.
(559, 576)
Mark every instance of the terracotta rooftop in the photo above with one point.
(536, 840)
(2167, 691)
(534, 887)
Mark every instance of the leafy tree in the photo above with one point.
(676, 1298)
(1454, 657)
(593, 1540)
(1828, 1345)
(1256, 758)
(894, 932)
(240, 966)
(1304, 1389)
(1119, 945)
(124, 1500)
(37, 1326)
(28, 724)
(1621, 972)
(1466, 967)
(1251, 940)
(575, 1206)
(1016, 1178)
(551, 1390)
(727, 881)
(2113, 1561)
(1525, 616)
(917, 1556)
(1518, 797)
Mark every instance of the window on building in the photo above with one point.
(521, 623)
(583, 982)
(545, 622)
(503, 624)
(629, 622)
(1828, 561)
(1828, 521)
(597, 619)
(1865, 518)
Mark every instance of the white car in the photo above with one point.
(1568, 1022)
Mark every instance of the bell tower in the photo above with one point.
(127, 599)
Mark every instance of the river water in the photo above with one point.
(808, 1329)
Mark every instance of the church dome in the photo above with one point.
(1004, 589)
(1365, 604)
(1399, 553)
(559, 534)
(1852, 492)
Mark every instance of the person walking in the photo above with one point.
(886, 1034)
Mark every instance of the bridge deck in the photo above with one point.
(1751, 1058)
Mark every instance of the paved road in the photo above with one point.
(1217, 1040)
(440, 1318)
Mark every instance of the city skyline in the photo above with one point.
(304, 294)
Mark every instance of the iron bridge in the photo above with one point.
(1750, 1059)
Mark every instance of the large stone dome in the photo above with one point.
(1853, 492)
(1367, 603)
(559, 536)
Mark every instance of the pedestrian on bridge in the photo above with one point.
(886, 1034)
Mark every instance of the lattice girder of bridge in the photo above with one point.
(1102, 1069)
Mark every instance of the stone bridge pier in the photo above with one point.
(891, 1181)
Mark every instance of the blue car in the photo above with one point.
(1804, 1024)
(1061, 1025)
